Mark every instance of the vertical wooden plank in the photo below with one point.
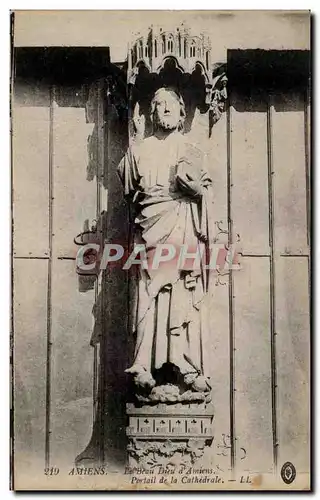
(101, 177)
(230, 113)
(253, 400)
(291, 150)
(49, 283)
(217, 153)
(30, 143)
(74, 186)
(218, 347)
(271, 208)
(74, 207)
(290, 177)
(30, 324)
(217, 301)
(307, 145)
(250, 173)
(251, 315)
(72, 365)
(293, 361)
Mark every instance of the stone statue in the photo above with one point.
(168, 188)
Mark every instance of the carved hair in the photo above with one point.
(176, 95)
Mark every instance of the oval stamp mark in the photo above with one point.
(288, 472)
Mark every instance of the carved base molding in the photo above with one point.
(168, 435)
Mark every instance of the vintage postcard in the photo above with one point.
(161, 250)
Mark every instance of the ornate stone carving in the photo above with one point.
(168, 435)
(149, 454)
(220, 231)
(154, 47)
(180, 58)
(218, 95)
(230, 253)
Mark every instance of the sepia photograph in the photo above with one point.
(161, 252)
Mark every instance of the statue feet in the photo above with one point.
(141, 377)
(171, 387)
(196, 382)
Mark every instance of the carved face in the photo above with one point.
(167, 110)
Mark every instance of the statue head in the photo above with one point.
(167, 110)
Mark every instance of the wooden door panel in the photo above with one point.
(289, 160)
(253, 399)
(74, 194)
(72, 365)
(75, 187)
(30, 170)
(30, 364)
(292, 322)
(250, 172)
(269, 198)
(293, 361)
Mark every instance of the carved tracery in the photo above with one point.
(181, 59)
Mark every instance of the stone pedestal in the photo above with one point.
(168, 435)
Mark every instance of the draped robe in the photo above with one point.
(166, 316)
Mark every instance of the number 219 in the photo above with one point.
(51, 471)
